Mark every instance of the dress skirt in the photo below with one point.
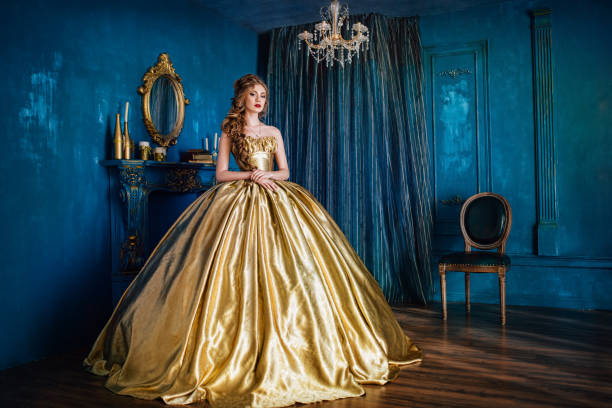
(252, 298)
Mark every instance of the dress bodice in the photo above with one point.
(254, 153)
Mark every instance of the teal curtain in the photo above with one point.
(356, 138)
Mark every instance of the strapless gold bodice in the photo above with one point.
(254, 153)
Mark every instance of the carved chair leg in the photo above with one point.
(467, 292)
(502, 295)
(442, 272)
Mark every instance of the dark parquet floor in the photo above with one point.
(542, 358)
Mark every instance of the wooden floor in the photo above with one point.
(542, 358)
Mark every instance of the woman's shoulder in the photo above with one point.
(272, 131)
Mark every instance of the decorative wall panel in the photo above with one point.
(457, 92)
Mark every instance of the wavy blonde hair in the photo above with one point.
(234, 122)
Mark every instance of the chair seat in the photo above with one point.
(475, 259)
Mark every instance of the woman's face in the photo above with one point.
(255, 99)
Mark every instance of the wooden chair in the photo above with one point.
(485, 221)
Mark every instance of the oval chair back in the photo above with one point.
(486, 219)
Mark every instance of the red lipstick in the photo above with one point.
(257, 105)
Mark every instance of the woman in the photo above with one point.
(254, 297)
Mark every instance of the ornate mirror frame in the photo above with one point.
(163, 68)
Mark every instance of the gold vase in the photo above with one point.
(118, 141)
(127, 143)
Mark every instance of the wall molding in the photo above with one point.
(537, 261)
(546, 180)
(561, 261)
(570, 282)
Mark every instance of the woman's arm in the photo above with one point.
(222, 174)
(281, 158)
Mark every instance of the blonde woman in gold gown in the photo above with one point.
(254, 297)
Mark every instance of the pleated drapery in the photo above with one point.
(356, 138)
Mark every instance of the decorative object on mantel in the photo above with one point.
(163, 102)
(145, 150)
(159, 154)
(127, 142)
(202, 156)
(331, 46)
(214, 152)
(118, 141)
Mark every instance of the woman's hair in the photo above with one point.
(233, 124)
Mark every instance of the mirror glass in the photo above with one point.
(162, 105)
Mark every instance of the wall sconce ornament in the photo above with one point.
(331, 46)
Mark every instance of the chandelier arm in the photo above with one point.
(351, 44)
(313, 46)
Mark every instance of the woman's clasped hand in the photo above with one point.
(264, 179)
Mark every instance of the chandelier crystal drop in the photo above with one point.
(327, 42)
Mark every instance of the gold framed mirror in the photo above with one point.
(163, 102)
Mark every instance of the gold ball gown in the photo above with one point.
(252, 298)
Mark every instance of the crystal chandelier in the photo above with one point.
(330, 45)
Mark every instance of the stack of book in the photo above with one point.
(198, 156)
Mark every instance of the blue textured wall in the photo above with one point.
(581, 276)
(68, 67)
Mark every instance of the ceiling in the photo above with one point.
(263, 15)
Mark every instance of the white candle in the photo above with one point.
(215, 141)
(206, 144)
(143, 143)
(159, 150)
(127, 105)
